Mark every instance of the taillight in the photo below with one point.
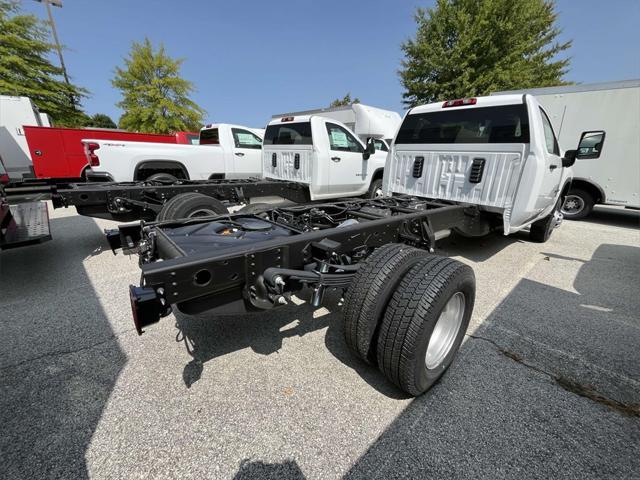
(94, 161)
(4, 179)
(460, 102)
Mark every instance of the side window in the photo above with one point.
(590, 145)
(340, 139)
(380, 145)
(193, 139)
(549, 136)
(246, 139)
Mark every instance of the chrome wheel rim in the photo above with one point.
(445, 332)
(573, 205)
(377, 193)
(202, 212)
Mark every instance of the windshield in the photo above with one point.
(501, 124)
(288, 134)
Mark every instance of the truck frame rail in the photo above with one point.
(251, 262)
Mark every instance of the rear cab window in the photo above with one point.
(246, 139)
(288, 134)
(210, 136)
(497, 124)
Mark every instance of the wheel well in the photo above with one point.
(378, 174)
(147, 168)
(83, 173)
(594, 190)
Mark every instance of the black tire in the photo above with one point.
(369, 293)
(541, 230)
(255, 208)
(411, 317)
(188, 205)
(375, 188)
(577, 204)
(165, 178)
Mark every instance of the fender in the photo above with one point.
(378, 173)
(603, 197)
(160, 164)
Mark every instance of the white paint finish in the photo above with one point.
(15, 113)
(614, 108)
(120, 159)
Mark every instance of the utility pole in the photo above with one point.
(56, 3)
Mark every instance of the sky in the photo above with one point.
(251, 59)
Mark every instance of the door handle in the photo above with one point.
(239, 154)
(552, 167)
(335, 159)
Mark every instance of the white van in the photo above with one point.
(602, 121)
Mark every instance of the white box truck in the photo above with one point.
(605, 118)
(15, 113)
(363, 120)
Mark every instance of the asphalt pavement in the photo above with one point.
(546, 384)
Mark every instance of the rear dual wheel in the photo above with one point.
(409, 318)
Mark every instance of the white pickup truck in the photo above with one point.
(225, 151)
(324, 155)
(499, 153)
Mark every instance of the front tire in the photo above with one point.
(577, 204)
(375, 189)
(425, 323)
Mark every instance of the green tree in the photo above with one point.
(155, 99)
(344, 101)
(25, 68)
(100, 120)
(474, 47)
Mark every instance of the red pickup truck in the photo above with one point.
(59, 153)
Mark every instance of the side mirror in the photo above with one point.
(370, 149)
(569, 158)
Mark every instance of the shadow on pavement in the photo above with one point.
(614, 217)
(258, 470)
(58, 360)
(478, 249)
(208, 336)
(510, 406)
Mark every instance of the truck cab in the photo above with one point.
(499, 153)
(325, 155)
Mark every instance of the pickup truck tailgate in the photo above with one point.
(475, 177)
(292, 164)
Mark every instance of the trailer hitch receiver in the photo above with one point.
(147, 307)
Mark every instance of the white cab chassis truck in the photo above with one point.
(225, 152)
(466, 164)
(603, 120)
(324, 155)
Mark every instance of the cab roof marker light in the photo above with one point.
(460, 102)
(287, 119)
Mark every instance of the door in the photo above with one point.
(553, 164)
(247, 153)
(347, 168)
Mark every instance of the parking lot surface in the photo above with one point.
(546, 384)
